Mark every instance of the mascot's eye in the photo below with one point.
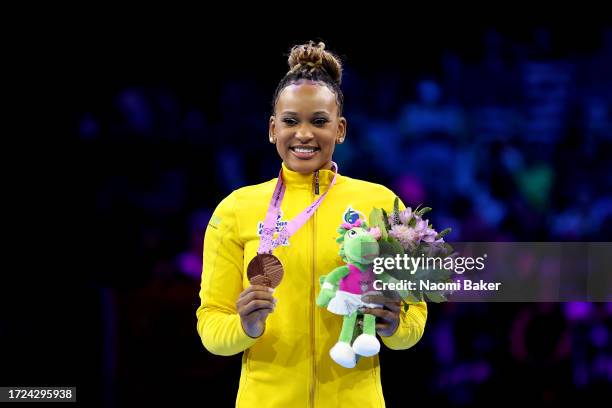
(352, 233)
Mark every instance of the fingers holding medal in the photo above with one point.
(256, 302)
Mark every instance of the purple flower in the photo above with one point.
(430, 237)
(406, 215)
(420, 225)
(407, 236)
(425, 233)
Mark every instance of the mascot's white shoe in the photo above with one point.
(366, 345)
(343, 354)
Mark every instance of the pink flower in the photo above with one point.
(407, 236)
(375, 232)
(406, 215)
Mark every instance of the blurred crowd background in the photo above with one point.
(505, 132)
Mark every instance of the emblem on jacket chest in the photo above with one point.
(351, 215)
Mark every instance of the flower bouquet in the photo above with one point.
(418, 252)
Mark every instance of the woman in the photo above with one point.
(285, 338)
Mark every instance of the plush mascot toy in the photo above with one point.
(341, 292)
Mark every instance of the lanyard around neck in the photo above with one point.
(267, 241)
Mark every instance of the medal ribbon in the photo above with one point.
(267, 241)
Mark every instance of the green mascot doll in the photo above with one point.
(341, 292)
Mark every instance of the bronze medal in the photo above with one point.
(266, 270)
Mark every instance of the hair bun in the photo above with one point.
(311, 57)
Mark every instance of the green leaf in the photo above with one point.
(390, 246)
(396, 219)
(422, 211)
(435, 296)
(372, 218)
(443, 233)
(377, 220)
(386, 219)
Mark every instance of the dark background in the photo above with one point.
(504, 129)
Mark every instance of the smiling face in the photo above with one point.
(306, 126)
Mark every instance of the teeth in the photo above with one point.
(304, 149)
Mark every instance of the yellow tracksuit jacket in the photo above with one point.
(289, 364)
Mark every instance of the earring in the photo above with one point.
(339, 141)
(272, 140)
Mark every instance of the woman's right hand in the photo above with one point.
(254, 305)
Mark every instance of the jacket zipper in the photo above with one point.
(312, 292)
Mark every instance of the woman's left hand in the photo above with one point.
(387, 317)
